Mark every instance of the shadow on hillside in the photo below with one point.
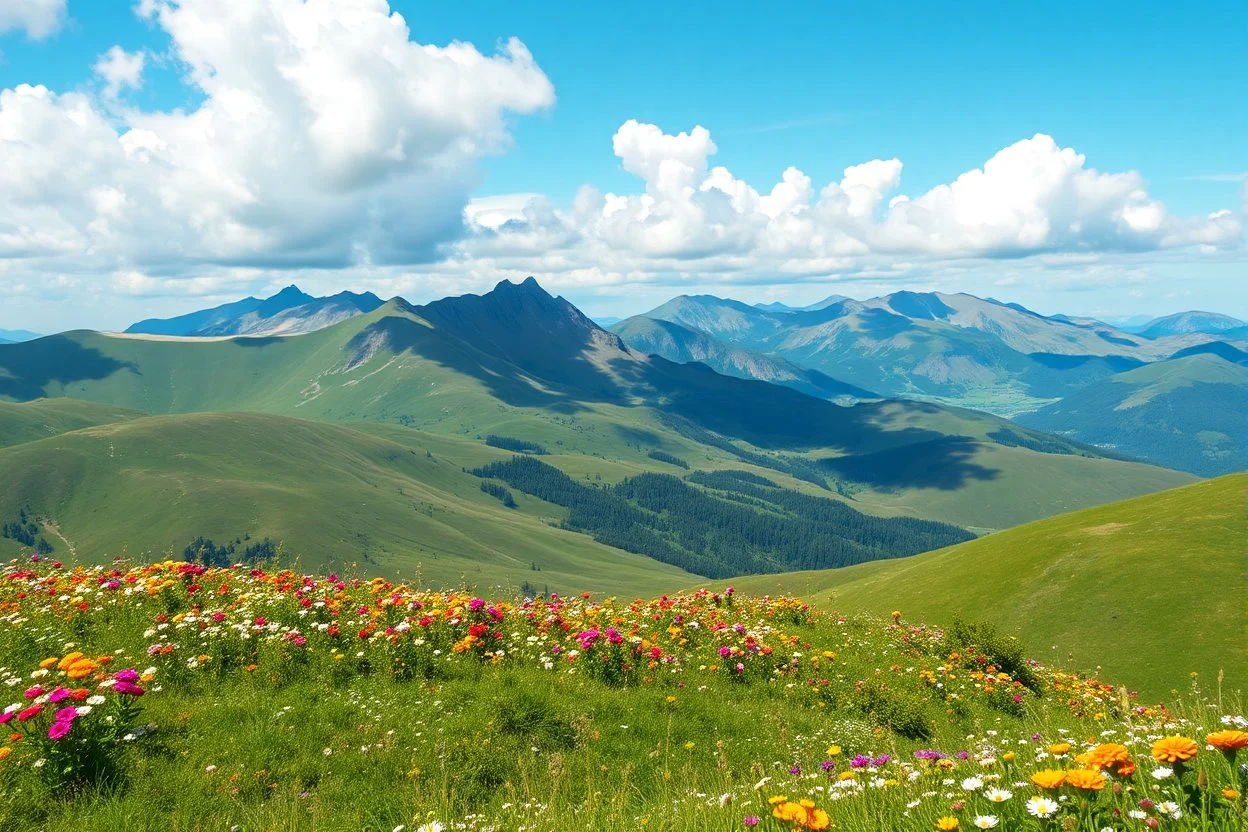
(27, 368)
(255, 340)
(943, 463)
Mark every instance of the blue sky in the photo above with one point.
(1151, 88)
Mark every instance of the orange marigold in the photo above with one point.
(1049, 778)
(1111, 756)
(5, 752)
(1088, 779)
(1174, 750)
(1228, 740)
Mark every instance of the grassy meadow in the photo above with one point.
(177, 697)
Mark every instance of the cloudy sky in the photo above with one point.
(165, 155)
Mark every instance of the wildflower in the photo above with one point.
(58, 729)
(998, 795)
(1057, 749)
(972, 784)
(1174, 750)
(4, 753)
(986, 821)
(947, 823)
(1230, 794)
(1161, 773)
(1229, 740)
(1049, 778)
(751, 821)
(431, 826)
(1041, 807)
(1088, 779)
(1170, 808)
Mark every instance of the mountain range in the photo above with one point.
(289, 312)
(388, 423)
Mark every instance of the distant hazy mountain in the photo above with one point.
(289, 312)
(16, 336)
(981, 353)
(1189, 413)
(1185, 323)
(682, 344)
(607, 321)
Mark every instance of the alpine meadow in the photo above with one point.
(861, 443)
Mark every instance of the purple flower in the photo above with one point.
(827, 765)
(929, 755)
(795, 769)
(881, 760)
(58, 729)
(751, 820)
(128, 675)
(1035, 738)
(962, 755)
(861, 761)
(476, 604)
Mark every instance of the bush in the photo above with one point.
(510, 443)
(991, 648)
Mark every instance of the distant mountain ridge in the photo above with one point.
(290, 311)
(16, 336)
(1185, 323)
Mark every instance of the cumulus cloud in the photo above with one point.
(692, 220)
(120, 70)
(325, 137)
(37, 18)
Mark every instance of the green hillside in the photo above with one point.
(1188, 413)
(1163, 574)
(518, 363)
(41, 418)
(334, 496)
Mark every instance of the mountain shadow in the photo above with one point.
(27, 368)
(943, 463)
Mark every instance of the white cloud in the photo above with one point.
(692, 222)
(326, 137)
(37, 18)
(120, 70)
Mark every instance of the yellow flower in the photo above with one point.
(1049, 778)
(49, 662)
(689, 745)
(1174, 750)
(834, 751)
(1088, 779)
(1228, 740)
(947, 823)
(1008, 757)
(1059, 748)
(5, 752)
(1230, 794)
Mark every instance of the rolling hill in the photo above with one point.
(289, 312)
(1163, 573)
(520, 364)
(334, 496)
(28, 421)
(1187, 413)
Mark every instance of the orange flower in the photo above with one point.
(1049, 778)
(46, 663)
(1088, 779)
(1228, 740)
(5, 752)
(1111, 756)
(81, 668)
(68, 660)
(1230, 794)
(1174, 750)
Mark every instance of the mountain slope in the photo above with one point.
(333, 495)
(1185, 323)
(15, 336)
(519, 363)
(290, 311)
(1164, 573)
(1187, 413)
(993, 356)
(683, 344)
(28, 421)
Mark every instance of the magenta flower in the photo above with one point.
(58, 729)
(66, 715)
(725, 652)
(31, 693)
(58, 695)
(751, 821)
(30, 713)
(128, 675)
(6, 716)
(128, 689)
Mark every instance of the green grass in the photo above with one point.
(330, 494)
(1149, 589)
(28, 421)
(245, 726)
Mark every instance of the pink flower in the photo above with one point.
(58, 695)
(66, 714)
(6, 717)
(128, 689)
(31, 693)
(58, 729)
(30, 713)
(128, 675)
(725, 652)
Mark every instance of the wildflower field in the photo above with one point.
(177, 697)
